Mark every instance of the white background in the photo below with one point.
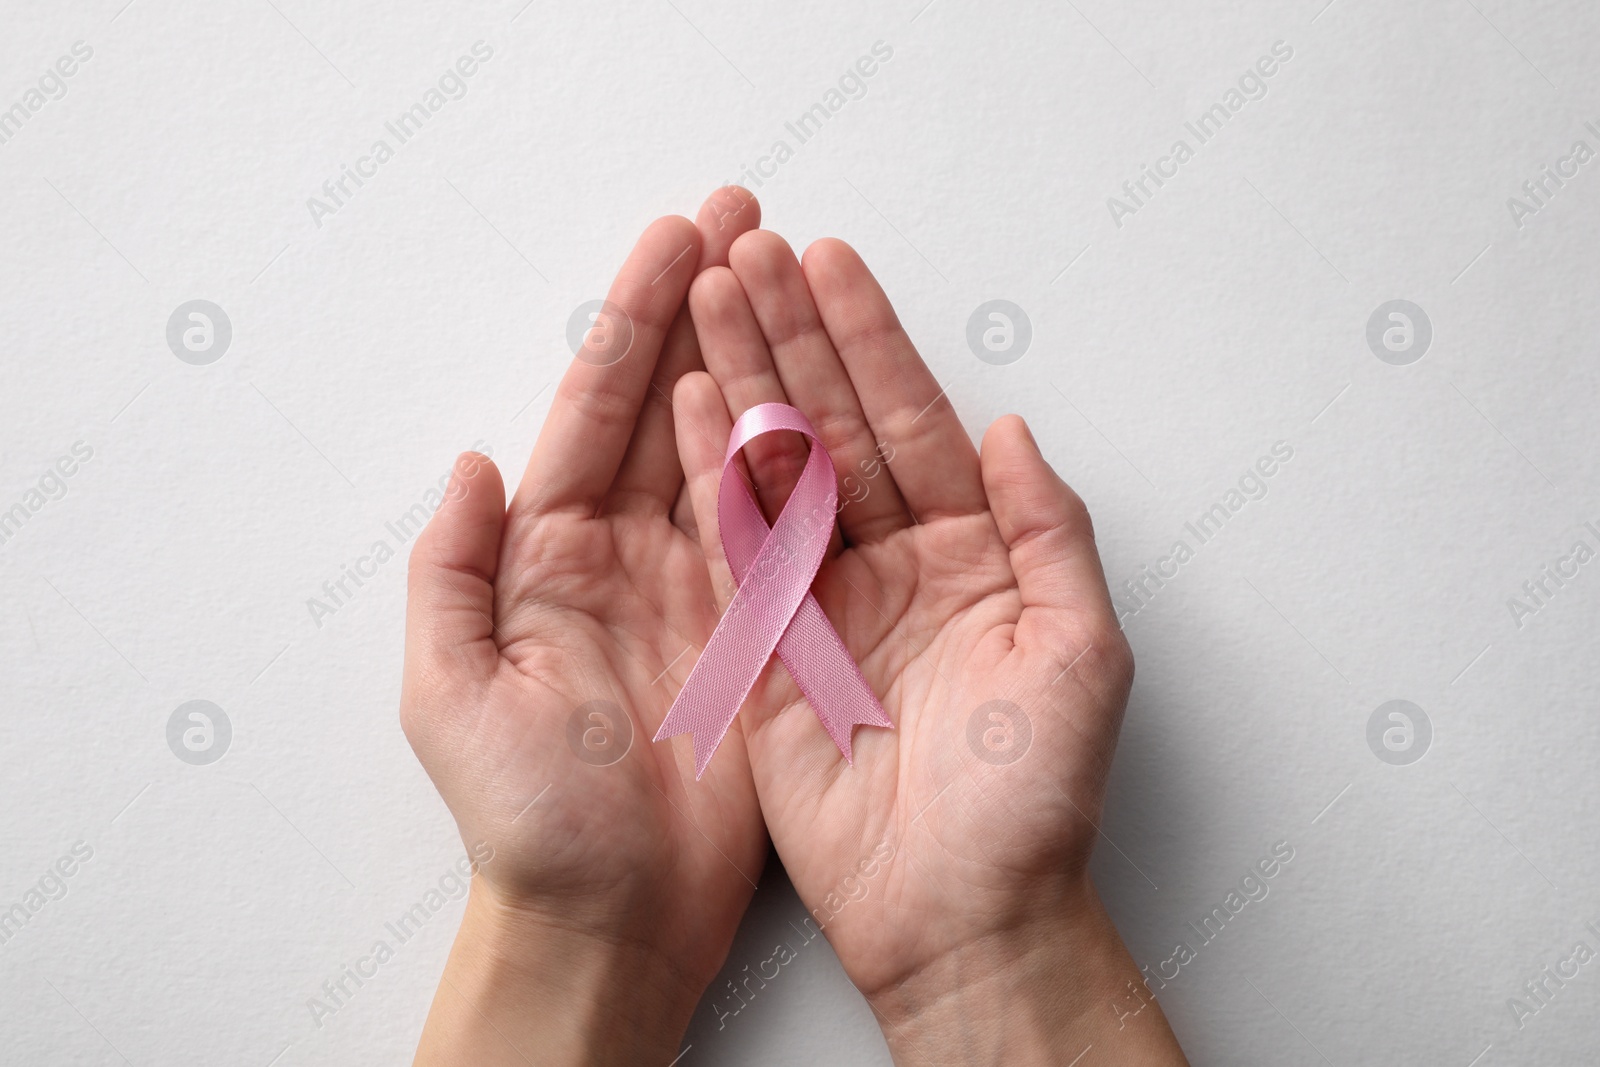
(1168, 354)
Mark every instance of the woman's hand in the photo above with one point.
(544, 644)
(970, 592)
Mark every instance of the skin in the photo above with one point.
(956, 580)
(609, 904)
(630, 876)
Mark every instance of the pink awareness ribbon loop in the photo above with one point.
(773, 609)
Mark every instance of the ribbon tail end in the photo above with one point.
(704, 748)
(842, 727)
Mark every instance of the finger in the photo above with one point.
(934, 463)
(650, 476)
(596, 407)
(703, 427)
(1046, 528)
(728, 214)
(816, 382)
(737, 357)
(450, 583)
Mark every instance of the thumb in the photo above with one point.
(1048, 534)
(450, 584)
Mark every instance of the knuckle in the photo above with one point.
(1120, 660)
(1104, 657)
(1076, 522)
(843, 431)
(413, 718)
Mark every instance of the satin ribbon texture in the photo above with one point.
(773, 609)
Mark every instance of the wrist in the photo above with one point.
(551, 994)
(1042, 993)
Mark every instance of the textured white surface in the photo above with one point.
(1228, 313)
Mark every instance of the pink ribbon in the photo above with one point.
(773, 609)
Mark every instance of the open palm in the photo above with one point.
(968, 589)
(545, 641)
